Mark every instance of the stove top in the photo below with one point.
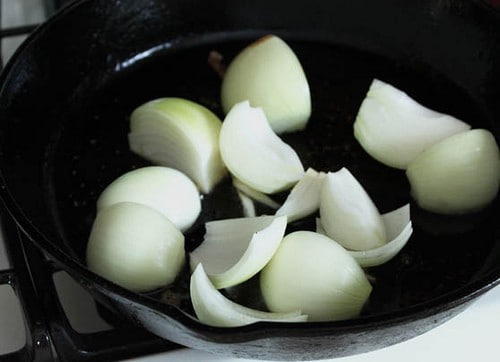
(49, 317)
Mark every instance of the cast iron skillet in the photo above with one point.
(66, 96)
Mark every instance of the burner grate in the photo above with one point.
(50, 335)
(38, 345)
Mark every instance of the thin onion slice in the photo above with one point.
(393, 128)
(348, 214)
(214, 309)
(165, 189)
(254, 194)
(247, 205)
(182, 134)
(234, 250)
(303, 200)
(399, 230)
(384, 253)
(254, 154)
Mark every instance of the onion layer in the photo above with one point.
(254, 194)
(303, 200)
(234, 250)
(399, 229)
(214, 309)
(348, 214)
(254, 154)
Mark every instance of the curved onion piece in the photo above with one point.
(393, 128)
(254, 194)
(458, 175)
(214, 309)
(247, 205)
(268, 74)
(399, 229)
(165, 189)
(315, 274)
(135, 246)
(348, 214)
(182, 134)
(234, 250)
(384, 253)
(254, 154)
(303, 200)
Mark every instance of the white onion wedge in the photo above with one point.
(254, 154)
(182, 134)
(348, 214)
(393, 128)
(214, 309)
(458, 175)
(399, 230)
(303, 200)
(316, 275)
(135, 246)
(165, 189)
(234, 250)
(269, 75)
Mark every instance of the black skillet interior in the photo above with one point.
(92, 150)
(66, 100)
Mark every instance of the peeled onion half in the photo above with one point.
(135, 246)
(165, 189)
(269, 75)
(314, 274)
(458, 175)
(179, 133)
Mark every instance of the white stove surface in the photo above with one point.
(470, 336)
